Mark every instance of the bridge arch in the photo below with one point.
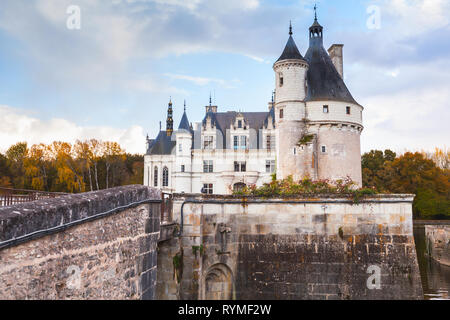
(218, 283)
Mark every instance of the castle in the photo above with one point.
(312, 128)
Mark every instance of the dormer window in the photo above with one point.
(240, 124)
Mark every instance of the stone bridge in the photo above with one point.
(97, 245)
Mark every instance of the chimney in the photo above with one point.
(209, 108)
(336, 55)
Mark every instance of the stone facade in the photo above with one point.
(318, 248)
(99, 245)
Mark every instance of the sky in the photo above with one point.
(112, 78)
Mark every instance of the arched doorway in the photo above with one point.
(218, 283)
(239, 186)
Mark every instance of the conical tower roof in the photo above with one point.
(291, 51)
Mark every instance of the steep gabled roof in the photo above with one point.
(163, 145)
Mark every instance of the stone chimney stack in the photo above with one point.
(336, 55)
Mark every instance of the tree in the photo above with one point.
(35, 165)
(69, 171)
(373, 166)
(16, 155)
(113, 155)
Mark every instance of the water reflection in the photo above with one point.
(435, 277)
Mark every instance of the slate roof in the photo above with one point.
(163, 145)
(184, 123)
(223, 120)
(324, 81)
(291, 51)
(253, 120)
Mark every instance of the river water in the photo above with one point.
(435, 277)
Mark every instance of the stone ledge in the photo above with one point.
(318, 198)
(32, 217)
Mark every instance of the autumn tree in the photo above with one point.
(16, 155)
(36, 166)
(5, 174)
(114, 156)
(69, 171)
(373, 169)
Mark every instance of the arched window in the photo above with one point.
(165, 177)
(155, 177)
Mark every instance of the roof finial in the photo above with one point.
(160, 126)
(184, 105)
(210, 99)
(290, 27)
(315, 12)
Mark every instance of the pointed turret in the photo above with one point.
(184, 123)
(169, 122)
(291, 51)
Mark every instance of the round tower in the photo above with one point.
(334, 117)
(290, 92)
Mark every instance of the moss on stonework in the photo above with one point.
(288, 188)
(305, 139)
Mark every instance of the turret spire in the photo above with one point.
(290, 28)
(169, 122)
(315, 12)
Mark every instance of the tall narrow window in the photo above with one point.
(180, 147)
(281, 113)
(348, 110)
(183, 168)
(326, 109)
(155, 177)
(281, 79)
(243, 142)
(165, 177)
(324, 149)
(269, 142)
(236, 142)
(239, 124)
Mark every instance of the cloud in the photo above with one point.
(201, 81)
(18, 126)
(408, 120)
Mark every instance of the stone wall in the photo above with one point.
(317, 248)
(438, 243)
(99, 245)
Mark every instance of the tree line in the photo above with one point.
(427, 175)
(72, 168)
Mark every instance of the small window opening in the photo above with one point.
(326, 109)
(348, 110)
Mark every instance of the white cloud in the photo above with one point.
(18, 126)
(201, 81)
(408, 120)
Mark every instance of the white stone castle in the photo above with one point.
(312, 128)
